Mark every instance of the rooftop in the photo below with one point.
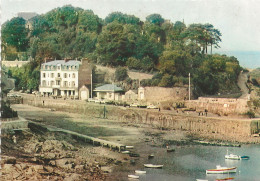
(63, 62)
(109, 87)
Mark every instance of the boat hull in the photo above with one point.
(153, 166)
(222, 170)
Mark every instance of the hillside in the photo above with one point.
(172, 49)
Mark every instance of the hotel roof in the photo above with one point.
(108, 88)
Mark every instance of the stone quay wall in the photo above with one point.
(229, 129)
(221, 106)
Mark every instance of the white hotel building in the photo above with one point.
(64, 77)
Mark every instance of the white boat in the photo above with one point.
(201, 180)
(232, 156)
(133, 176)
(220, 169)
(125, 152)
(129, 147)
(153, 166)
(140, 171)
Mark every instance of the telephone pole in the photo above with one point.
(189, 86)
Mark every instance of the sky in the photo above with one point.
(237, 20)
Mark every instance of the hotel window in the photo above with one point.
(65, 83)
(58, 74)
(44, 83)
(52, 75)
(73, 83)
(65, 75)
(43, 75)
(73, 75)
(58, 67)
(57, 82)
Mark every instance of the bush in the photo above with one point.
(250, 114)
(7, 111)
(121, 74)
(167, 81)
(146, 82)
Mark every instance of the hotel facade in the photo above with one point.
(64, 78)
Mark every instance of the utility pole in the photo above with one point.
(189, 86)
(91, 84)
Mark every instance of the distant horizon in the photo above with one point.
(247, 59)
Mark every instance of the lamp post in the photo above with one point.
(189, 86)
(91, 84)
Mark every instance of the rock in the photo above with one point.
(52, 163)
(8, 168)
(79, 168)
(38, 168)
(48, 169)
(72, 177)
(49, 156)
(61, 162)
(118, 162)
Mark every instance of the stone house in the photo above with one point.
(131, 95)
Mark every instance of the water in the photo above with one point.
(189, 163)
(247, 59)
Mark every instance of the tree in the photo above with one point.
(122, 18)
(14, 33)
(112, 45)
(155, 19)
(121, 74)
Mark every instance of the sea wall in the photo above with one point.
(225, 127)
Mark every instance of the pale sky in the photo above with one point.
(237, 20)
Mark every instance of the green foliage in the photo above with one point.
(172, 49)
(167, 81)
(122, 18)
(7, 111)
(14, 33)
(121, 74)
(250, 114)
(155, 19)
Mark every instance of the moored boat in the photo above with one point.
(129, 147)
(140, 171)
(153, 166)
(150, 156)
(125, 152)
(220, 169)
(133, 176)
(245, 157)
(201, 180)
(230, 178)
(232, 157)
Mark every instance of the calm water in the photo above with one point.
(190, 163)
(248, 59)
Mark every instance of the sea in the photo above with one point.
(190, 162)
(247, 59)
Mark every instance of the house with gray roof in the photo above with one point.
(109, 92)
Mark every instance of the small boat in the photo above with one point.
(129, 147)
(170, 150)
(125, 152)
(150, 156)
(220, 169)
(245, 157)
(133, 176)
(140, 171)
(232, 157)
(201, 180)
(153, 166)
(230, 178)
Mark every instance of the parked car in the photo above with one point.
(134, 105)
(152, 107)
(91, 100)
